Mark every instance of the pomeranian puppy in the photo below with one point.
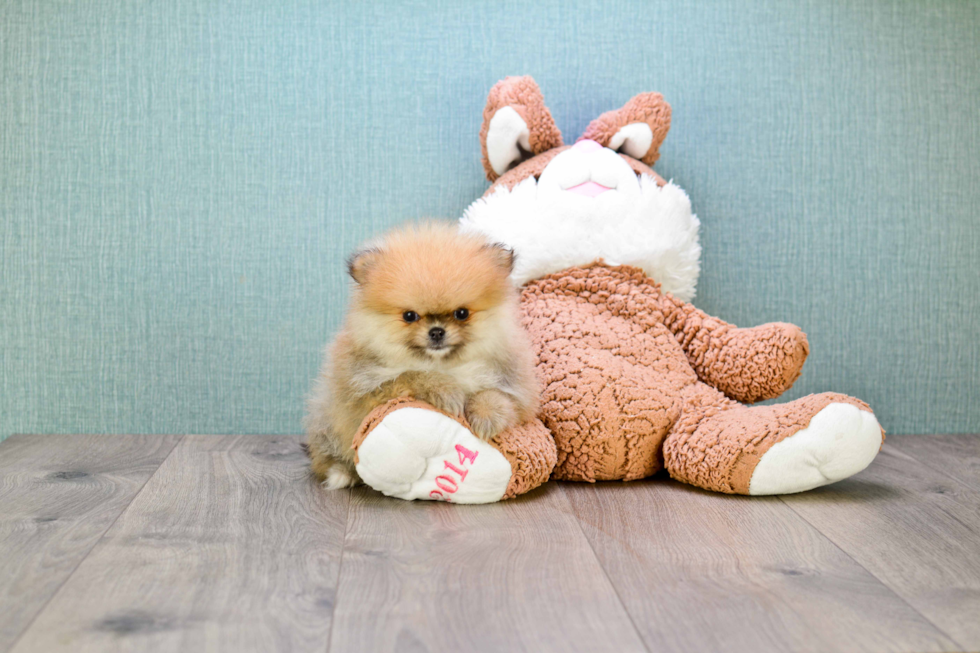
(433, 316)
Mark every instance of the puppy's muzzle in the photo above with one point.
(436, 336)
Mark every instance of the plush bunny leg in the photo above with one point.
(410, 450)
(726, 447)
(609, 417)
(611, 382)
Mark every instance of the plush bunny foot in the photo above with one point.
(409, 450)
(779, 449)
(840, 441)
(417, 453)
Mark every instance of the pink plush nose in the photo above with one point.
(586, 145)
(589, 188)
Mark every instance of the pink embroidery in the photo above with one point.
(465, 454)
(447, 483)
(462, 472)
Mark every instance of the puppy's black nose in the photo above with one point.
(436, 334)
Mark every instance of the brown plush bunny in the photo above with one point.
(634, 378)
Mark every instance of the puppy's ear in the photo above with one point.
(360, 263)
(516, 125)
(502, 255)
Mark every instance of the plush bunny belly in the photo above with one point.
(614, 377)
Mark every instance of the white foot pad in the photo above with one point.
(416, 453)
(840, 441)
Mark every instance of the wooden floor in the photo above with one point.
(192, 543)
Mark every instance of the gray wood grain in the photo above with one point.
(511, 576)
(955, 455)
(916, 529)
(230, 546)
(703, 572)
(58, 495)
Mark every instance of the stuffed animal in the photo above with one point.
(634, 378)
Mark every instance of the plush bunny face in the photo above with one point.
(560, 206)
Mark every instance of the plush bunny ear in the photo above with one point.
(637, 129)
(516, 125)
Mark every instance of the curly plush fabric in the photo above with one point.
(523, 96)
(718, 446)
(748, 365)
(628, 374)
(647, 108)
(531, 452)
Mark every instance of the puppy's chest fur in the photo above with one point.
(470, 376)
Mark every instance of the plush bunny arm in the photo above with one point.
(748, 365)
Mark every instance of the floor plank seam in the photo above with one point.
(340, 571)
(605, 574)
(95, 545)
(873, 575)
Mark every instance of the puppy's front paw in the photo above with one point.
(448, 401)
(489, 412)
(486, 427)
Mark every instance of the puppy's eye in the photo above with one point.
(461, 314)
(410, 316)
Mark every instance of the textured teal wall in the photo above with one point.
(180, 181)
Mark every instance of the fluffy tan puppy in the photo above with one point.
(433, 316)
